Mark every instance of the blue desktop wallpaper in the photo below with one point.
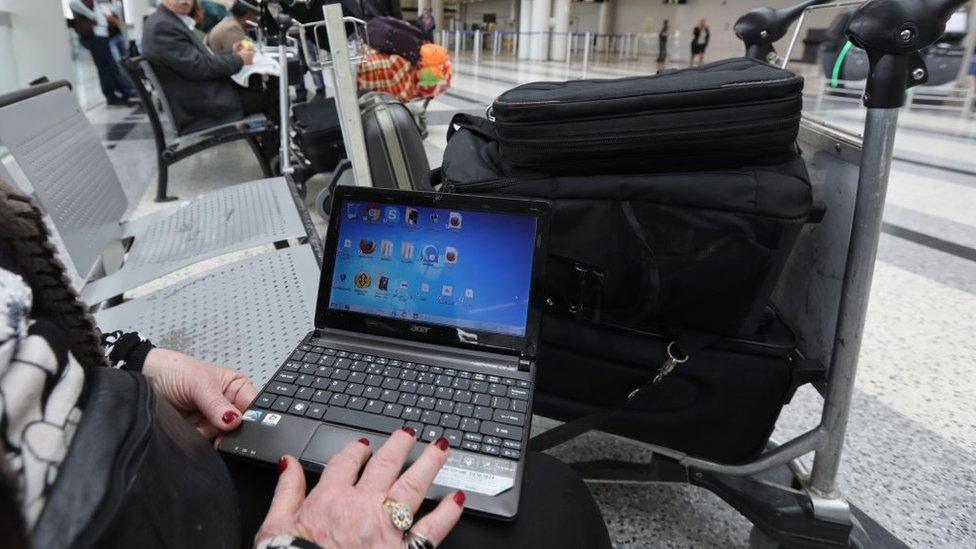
(461, 268)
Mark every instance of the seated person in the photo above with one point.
(226, 34)
(196, 80)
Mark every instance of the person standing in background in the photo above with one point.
(426, 24)
(94, 28)
(662, 50)
(699, 42)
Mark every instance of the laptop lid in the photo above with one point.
(458, 270)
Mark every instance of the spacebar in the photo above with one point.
(353, 418)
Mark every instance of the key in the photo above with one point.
(324, 371)
(508, 381)
(482, 412)
(407, 399)
(426, 390)
(443, 381)
(490, 450)
(466, 410)
(422, 367)
(341, 375)
(481, 399)
(292, 366)
(510, 454)
(382, 361)
(512, 418)
(431, 432)
(470, 446)
(362, 420)
(426, 402)
(356, 403)
(322, 397)
(450, 421)
(470, 425)
(374, 369)
(395, 363)
(342, 354)
(523, 384)
(463, 396)
(445, 406)
(411, 414)
(497, 389)
(315, 411)
(282, 404)
(331, 352)
(494, 379)
(372, 392)
(501, 430)
(304, 380)
(493, 441)
(305, 393)
(389, 396)
(375, 406)
(358, 366)
(393, 410)
(408, 375)
(518, 392)
(312, 357)
(436, 370)
(338, 386)
(417, 428)
(355, 356)
(390, 383)
(355, 389)
(305, 347)
(308, 368)
(264, 400)
(513, 444)
(282, 389)
(374, 380)
(286, 377)
(501, 402)
(327, 360)
(338, 399)
(444, 392)
(431, 417)
(426, 377)
(462, 384)
(298, 355)
(368, 358)
(298, 408)
(409, 386)
(520, 406)
(479, 386)
(465, 375)
(342, 363)
(321, 383)
(453, 437)
(357, 377)
(391, 372)
(472, 436)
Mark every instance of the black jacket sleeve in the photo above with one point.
(168, 45)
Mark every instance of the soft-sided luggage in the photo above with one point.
(721, 405)
(725, 114)
(692, 250)
(318, 133)
(392, 35)
(397, 158)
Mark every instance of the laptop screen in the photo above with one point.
(467, 269)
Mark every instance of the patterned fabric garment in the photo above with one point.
(40, 388)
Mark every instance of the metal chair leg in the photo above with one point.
(162, 181)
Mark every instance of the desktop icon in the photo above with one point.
(347, 243)
(435, 218)
(447, 291)
(404, 285)
(469, 293)
(450, 254)
(384, 283)
(454, 221)
(386, 249)
(363, 280)
(429, 254)
(406, 251)
(367, 246)
(373, 212)
(412, 216)
(392, 215)
(425, 288)
(342, 277)
(352, 210)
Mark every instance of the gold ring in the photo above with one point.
(400, 514)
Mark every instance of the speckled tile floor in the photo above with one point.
(910, 454)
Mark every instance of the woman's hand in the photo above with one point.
(210, 397)
(346, 510)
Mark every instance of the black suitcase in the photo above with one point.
(397, 158)
(720, 405)
(724, 114)
(318, 133)
(692, 250)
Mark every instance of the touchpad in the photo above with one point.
(466, 471)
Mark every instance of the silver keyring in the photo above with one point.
(673, 358)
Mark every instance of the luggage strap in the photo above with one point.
(475, 124)
(679, 350)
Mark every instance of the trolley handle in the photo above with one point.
(893, 33)
(762, 27)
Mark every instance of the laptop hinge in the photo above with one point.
(524, 364)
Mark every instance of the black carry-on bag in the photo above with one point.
(318, 133)
(394, 145)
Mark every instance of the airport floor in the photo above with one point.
(910, 454)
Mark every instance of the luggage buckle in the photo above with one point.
(588, 302)
(665, 369)
(490, 113)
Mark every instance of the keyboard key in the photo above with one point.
(313, 357)
(450, 372)
(465, 410)
(390, 383)
(463, 396)
(321, 383)
(508, 381)
(374, 369)
(431, 433)
(368, 358)
(391, 372)
(355, 389)
(324, 371)
(282, 389)
(436, 370)
(470, 446)
(408, 375)
(322, 397)
(518, 392)
(305, 347)
(462, 384)
(338, 386)
(490, 450)
(513, 444)
(362, 420)
(372, 392)
(501, 403)
(409, 386)
(326, 361)
(511, 454)
(470, 425)
(356, 403)
(342, 354)
(426, 377)
(483, 412)
(426, 390)
(357, 377)
(298, 407)
(492, 441)
(426, 402)
(341, 375)
(500, 430)
(355, 356)
(450, 421)
(382, 361)
(393, 410)
(444, 405)
(395, 363)
(497, 389)
(411, 413)
(494, 379)
(431, 417)
(282, 404)
(286, 377)
(465, 375)
(375, 406)
(417, 428)
(298, 355)
(329, 352)
(308, 368)
(444, 392)
(443, 381)
(479, 377)
(374, 380)
(358, 366)
(408, 365)
(305, 393)
(304, 380)
(292, 366)
(338, 399)
(422, 367)
(453, 437)
(315, 411)
(481, 399)
(389, 396)
(479, 386)
(473, 437)
(407, 399)
(520, 405)
(342, 363)
(264, 400)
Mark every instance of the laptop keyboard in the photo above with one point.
(475, 412)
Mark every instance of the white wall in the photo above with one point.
(641, 16)
(36, 43)
(506, 20)
(584, 16)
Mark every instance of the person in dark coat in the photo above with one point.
(699, 42)
(662, 51)
(197, 81)
(426, 24)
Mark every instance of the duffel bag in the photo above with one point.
(722, 404)
(730, 113)
(695, 250)
(392, 35)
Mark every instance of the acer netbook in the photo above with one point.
(428, 315)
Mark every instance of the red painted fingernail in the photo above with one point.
(459, 498)
(441, 443)
(410, 431)
(282, 465)
(229, 417)
(364, 440)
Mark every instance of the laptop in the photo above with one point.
(428, 316)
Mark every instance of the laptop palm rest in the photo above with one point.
(483, 478)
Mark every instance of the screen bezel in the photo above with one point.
(526, 345)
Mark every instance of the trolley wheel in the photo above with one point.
(323, 203)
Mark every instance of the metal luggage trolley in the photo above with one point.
(824, 290)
